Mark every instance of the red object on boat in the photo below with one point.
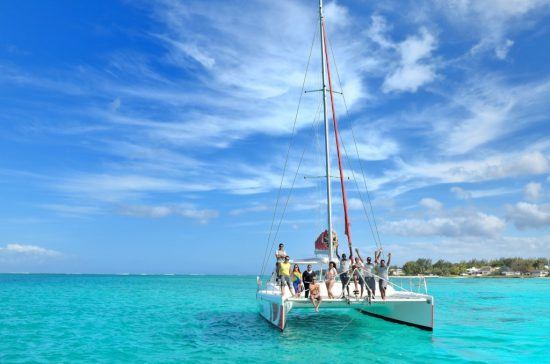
(321, 244)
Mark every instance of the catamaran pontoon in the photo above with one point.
(400, 305)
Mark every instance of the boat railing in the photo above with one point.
(416, 284)
(421, 282)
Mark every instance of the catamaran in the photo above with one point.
(276, 301)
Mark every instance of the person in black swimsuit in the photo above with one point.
(307, 278)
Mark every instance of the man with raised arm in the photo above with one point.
(382, 272)
(345, 265)
(368, 269)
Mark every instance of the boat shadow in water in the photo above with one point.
(224, 326)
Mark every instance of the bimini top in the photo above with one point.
(312, 261)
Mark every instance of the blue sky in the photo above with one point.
(149, 137)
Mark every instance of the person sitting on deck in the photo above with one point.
(358, 275)
(330, 278)
(344, 271)
(280, 257)
(284, 274)
(382, 272)
(368, 268)
(315, 293)
(307, 278)
(296, 280)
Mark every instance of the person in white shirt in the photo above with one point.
(382, 272)
(358, 275)
(345, 265)
(369, 277)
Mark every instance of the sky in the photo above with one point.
(151, 136)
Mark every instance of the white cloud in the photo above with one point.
(187, 211)
(115, 187)
(336, 15)
(431, 204)
(466, 248)
(526, 215)
(27, 250)
(414, 70)
(473, 224)
(497, 166)
(532, 191)
(378, 32)
(72, 210)
(355, 203)
(371, 144)
(501, 51)
(244, 210)
(492, 21)
(461, 193)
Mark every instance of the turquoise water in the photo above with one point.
(80, 318)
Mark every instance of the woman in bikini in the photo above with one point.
(330, 278)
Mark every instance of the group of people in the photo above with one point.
(362, 273)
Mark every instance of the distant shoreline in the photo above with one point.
(227, 275)
(466, 277)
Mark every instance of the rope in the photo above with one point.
(342, 329)
(288, 196)
(291, 142)
(377, 240)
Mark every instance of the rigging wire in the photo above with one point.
(290, 192)
(377, 240)
(318, 151)
(291, 142)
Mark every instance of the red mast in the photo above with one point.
(337, 136)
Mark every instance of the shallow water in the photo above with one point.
(84, 318)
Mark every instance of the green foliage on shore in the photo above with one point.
(445, 268)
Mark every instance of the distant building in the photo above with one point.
(539, 273)
(510, 273)
(473, 271)
(397, 272)
(485, 271)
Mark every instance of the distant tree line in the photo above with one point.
(444, 268)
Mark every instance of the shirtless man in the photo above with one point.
(315, 294)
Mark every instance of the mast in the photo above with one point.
(338, 153)
(327, 136)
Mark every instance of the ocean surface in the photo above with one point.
(101, 318)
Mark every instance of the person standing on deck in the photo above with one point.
(284, 273)
(330, 278)
(358, 274)
(345, 265)
(280, 257)
(382, 272)
(297, 280)
(368, 268)
(307, 278)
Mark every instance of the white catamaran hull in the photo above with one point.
(419, 313)
(274, 309)
(400, 307)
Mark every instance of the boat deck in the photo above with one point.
(391, 294)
